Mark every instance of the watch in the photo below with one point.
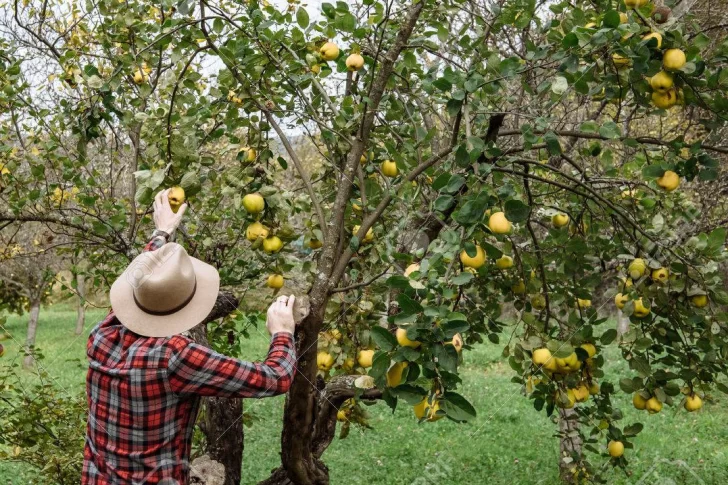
(158, 233)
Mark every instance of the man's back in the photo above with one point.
(144, 393)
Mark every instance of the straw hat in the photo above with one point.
(164, 292)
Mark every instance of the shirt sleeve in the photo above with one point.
(196, 370)
(154, 244)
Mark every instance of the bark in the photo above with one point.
(569, 445)
(29, 360)
(81, 312)
(222, 421)
(330, 398)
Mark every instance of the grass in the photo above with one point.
(507, 443)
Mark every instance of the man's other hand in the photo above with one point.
(280, 315)
(164, 218)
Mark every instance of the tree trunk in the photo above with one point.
(29, 360)
(222, 423)
(570, 452)
(330, 397)
(302, 467)
(81, 312)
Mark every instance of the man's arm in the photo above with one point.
(197, 370)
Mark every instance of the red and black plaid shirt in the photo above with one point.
(144, 393)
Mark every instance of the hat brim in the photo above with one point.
(140, 322)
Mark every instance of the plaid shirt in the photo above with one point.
(144, 394)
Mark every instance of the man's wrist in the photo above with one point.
(166, 235)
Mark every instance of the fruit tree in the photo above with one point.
(474, 170)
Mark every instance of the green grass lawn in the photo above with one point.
(507, 443)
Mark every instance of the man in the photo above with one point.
(145, 379)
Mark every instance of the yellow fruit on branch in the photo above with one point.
(620, 300)
(660, 276)
(623, 18)
(664, 99)
(341, 416)
(639, 402)
(348, 364)
(560, 220)
(427, 411)
(411, 269)
(314, 243)
(176, 197)
(583, 304)
(498, 223)
(272, 244)
(673, 59)
(653, 405)
(620, 61)
(635, 3)
(654, 35)
(329, 51)
(256, 230)
(615, 448)
(590, 348)
(275, 281)
(566, 400)
(699, 301)
(248, 154)
(324, 361)
(581, 393)
(394, 374)
(364, 358)
(637, 268)
(504, 262)
(542, 358)
(474, 262)
(568, 364)
(368, 237)
(693, 402)
(254, 203)
(389, 168)
(402, 339)
(457, 342)
(354, 62)
(594, 389)
(538, 302)
(139, 76)
(662, 81)
(640, 310)
(519, 288)
(669, 181)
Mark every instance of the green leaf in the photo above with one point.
(610, 129)
(457, 407)
(633, 429)
(302, 18)
(444, 202)
(463, 278)
(384, 340)
(411, 394)
(552, 142)
(626, 385)
(442, 84)
(407, 305)
(608, 337)
(516, 211)
(346, 22)
(653, 171)
(611, 19)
